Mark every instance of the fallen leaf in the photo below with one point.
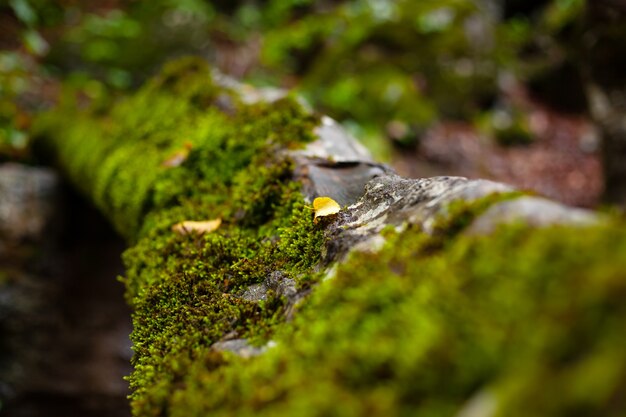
(178, 157)
(188, 227)
(325, 206)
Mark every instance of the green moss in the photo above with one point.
(420, 328)
(180, 149)
(119, 157)
(184, 289)
(529, 319)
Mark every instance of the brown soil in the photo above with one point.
(561, 163)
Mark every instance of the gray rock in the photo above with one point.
(278, 282)
(335, 165)
(391, 200)
(282, 285)
(534, 211)
(334, 144)
(248, 93)
(255, 293)
(240, 347)
(344, 182)
(25, 200)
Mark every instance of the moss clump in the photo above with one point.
(526, 321)
(123, 157)
(179, 149)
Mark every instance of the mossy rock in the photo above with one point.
(428, 324)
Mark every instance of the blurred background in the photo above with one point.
(481, 88)
(528, 92)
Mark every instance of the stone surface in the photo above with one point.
(391, 200)
(249, 94)
(255, 293)
(335, 165)
(535, 211)
(240, 347)
(26, 200)
(334, 144)
(281, 284)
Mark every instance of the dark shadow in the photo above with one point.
(73, 349)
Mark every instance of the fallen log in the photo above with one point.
(433, 296)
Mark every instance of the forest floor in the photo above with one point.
(562, 162)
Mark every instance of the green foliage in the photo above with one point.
(370, 61)
(364, 62)
(120, 46)
(411, 61)
(560, 14)
(14, 76)
(28, 13)
(381, 61)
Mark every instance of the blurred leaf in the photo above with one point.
(119, 78)
(178, 158)
(560, 13)
(437, 20)
(24, 12)
(35, 43)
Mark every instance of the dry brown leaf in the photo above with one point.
(198, 227)
(178, 157)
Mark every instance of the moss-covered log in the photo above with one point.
(426, 297)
